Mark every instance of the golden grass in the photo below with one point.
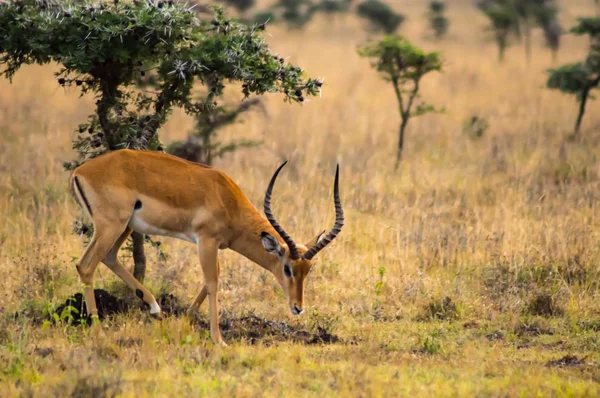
(491, 223)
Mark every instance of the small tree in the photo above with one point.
(106, 48)
(202, 146)
(552, 34)
(580, 78)
(437, 19)
(380, 16)
(520, 17)
(537, 12)
(504, 19)
(404, 65)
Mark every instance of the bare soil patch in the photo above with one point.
(251, 328)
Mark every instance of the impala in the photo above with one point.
(159, 194)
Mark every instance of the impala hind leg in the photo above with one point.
(112, 261)
(203, 293)
(207, 251)
(105, 235)
(199, 300)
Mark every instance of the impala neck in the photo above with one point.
(249, 242)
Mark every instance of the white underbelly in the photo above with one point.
(137, 224)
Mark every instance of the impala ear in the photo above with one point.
(271, 244)
(314, 240)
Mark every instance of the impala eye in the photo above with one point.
(287, 270)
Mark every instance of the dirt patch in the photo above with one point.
(533, 329)
(544, 305)
(566, 361)
(251, 328)
(74, 310)
(43, 351)
(170, 305)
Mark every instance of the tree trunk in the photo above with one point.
(527, 34)
(582, 103)
(139, 257)
(501, 49)
(401, 140)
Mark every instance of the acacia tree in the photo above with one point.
(519, 18)
(403, 65)
(504, 19)
(437, 18)
(202, 145)
(105, 48)
(537, 12)
(380, 16)
(580, 78)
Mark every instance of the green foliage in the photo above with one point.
(105, 49)
(404, 65)
(570, 78)
(202, 146)
(588, 26)
(430, 344)
(580, 78)
(437, 20)
(380, 15)
(380, 283)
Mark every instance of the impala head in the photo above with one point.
(296, 260)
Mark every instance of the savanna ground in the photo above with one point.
(472, 270)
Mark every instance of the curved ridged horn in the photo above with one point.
(339, 221)
(287, 239)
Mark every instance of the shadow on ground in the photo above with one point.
(251, 328)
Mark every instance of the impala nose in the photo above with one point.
(297, 310)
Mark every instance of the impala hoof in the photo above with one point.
(157, 315)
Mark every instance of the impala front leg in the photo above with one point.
(207, 251)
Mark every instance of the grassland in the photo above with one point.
(506, 226)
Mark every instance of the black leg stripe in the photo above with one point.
(86, 203)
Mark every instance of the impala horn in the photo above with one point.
(339, 220)
(288, 240)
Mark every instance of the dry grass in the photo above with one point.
(506, 226)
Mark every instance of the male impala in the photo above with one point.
(158, 194)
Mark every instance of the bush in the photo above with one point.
(437, 20)
(380, 15)
(580, 78)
